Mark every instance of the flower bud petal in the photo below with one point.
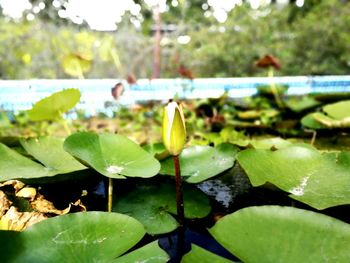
(174, 130)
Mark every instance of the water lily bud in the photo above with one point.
(174, 130)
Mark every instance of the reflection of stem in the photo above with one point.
(274, 89)
(180, 242)
(179, 196)
(110, 194)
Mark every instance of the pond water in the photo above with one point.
(96, 93)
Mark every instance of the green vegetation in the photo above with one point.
(49, 48)
(259, 179)
(267, 187)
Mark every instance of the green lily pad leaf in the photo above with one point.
(151, 253)
(52, 107)
(15, 166)
(301, 103)
(49, 151)
(339, 110)
(77, 237)
(262, 143)
(229, 134)
(331, 123)
(152, 205)
(198, 254)
(269, 234)
(157, 150)
(112, 155)
(310, 121)
(200, 163)
(268, 143)
(338, 116)
(302, 171)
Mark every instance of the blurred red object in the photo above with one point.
(131, 79)
(185, 72)
(268, 61)
(117, 90)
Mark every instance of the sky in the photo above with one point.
(104, 15)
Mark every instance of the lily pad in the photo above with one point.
(157, 150)
(199, 163)
(268, 143)
(52, 107)
(15, 166)
(339, 110)
(301, 103)
(153, 205)
(268, 234)
(112, 155)
(151, 253)
(329, 122)
(309, 121)
(77, 237)
(311, 177)
(198, 254)
(49, 151)
(337, 115)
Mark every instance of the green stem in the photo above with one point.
(274, 89)
(64, 123)
(110, 194)
(66, 127)
(313, 139)
(179, 208)
(179, 195)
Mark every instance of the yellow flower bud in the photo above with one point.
(174, 130)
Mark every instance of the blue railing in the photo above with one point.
(21, 94)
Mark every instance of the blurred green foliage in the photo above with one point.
(313, 43)
(312, 40)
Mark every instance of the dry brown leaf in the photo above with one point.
(17, 185)
(40, 204)
(78, 206)
(18, 221)
(12, 219)
(5, 203)
(27, 192)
